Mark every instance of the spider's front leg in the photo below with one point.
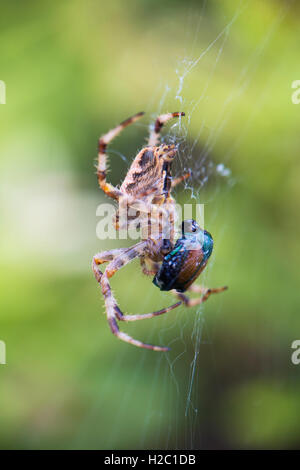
(179, 179)
(159, 123)
(104, 257)
(120, 258)
(109, 189)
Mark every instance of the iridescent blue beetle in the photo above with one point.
(181, 267)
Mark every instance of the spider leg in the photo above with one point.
(178, 180)
(160, 121)
(153, 268)
(167, 184)
(205, 291)
(143, 316)
(104, 257)
(112, 310)
(109, 189)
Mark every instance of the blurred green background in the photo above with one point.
(73, 69)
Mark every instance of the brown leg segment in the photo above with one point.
(110, 190)
(112, 310)
(160, 121)
(152, 269)
(206, 291)
(176, 181)
(104, 257)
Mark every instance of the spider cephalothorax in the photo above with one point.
(145, 198)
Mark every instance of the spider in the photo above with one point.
(147, 189)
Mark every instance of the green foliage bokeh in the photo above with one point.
(72, 71)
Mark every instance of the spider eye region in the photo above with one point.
(185, 262)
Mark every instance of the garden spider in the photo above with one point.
(146, 189)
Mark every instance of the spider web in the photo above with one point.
(177, 398)
(204, 168)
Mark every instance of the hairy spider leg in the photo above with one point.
(112, 310)
(160, 121)
(205, 291)
(176, 181)
(106, 256)
(150, 270)
(108, 188)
